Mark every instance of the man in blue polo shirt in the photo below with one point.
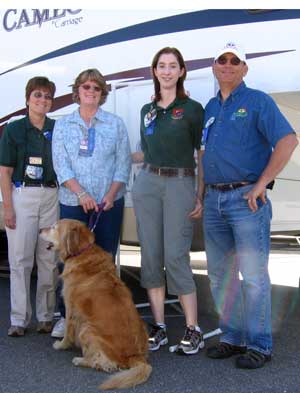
(246, 143)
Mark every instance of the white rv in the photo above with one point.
(59, 43)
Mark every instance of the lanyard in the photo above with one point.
(47, 136)
(205, 131)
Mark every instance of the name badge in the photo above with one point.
(83, 145)
(35, 160)
(34, 172)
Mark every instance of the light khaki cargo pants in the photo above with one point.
(36, 208)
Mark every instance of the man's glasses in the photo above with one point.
(90, 87)
(222, 60)
(46, 96)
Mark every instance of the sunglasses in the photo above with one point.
(90, 87)
(222, 60)
(46, 96)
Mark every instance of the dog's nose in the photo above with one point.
(40, 231)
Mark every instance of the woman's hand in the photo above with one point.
(109, 198)
(108, 201)
(137, 157)
(197, 212)
(10, 218)
(9, 213)
(88, 203)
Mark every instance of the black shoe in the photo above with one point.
(224, 351)
(252, 359)
(191, 342)
(157, 337)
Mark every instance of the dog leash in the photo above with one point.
(94, 217)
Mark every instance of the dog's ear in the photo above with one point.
(86, 236)
(72, 241)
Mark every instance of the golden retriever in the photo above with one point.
(101, 317)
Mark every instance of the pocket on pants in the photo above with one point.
(137, 186)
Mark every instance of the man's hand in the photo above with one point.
(279, 158)
(258, 191)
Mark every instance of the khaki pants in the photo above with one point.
(36, 208)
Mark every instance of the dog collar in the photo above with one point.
(80, 251)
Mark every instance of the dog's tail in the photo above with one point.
(128, 378)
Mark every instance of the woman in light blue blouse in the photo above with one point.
(91, 157)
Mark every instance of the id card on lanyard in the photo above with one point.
(87, 143)
(34, 172)
(33, 164)
(149, 121)
(205, 131)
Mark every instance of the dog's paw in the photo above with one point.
(58, 345)
(77, 361)
(80, 361)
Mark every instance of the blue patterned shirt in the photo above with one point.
(110, 161)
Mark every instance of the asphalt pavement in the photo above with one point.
(30, 364)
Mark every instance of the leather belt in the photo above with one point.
(50, 184)
(228, 186)
(169, 172)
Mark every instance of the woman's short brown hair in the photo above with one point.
(180, 92)
(39, 82)
(92, 74)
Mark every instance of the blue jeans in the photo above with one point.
(238, 241)
(107, 233)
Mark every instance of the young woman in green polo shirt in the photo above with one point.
(164, 197)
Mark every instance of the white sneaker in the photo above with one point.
(59, 328)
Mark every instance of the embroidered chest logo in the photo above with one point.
(177, 113)
(240, 113)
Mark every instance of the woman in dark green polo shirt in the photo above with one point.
(164, 197)
(29, 191)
